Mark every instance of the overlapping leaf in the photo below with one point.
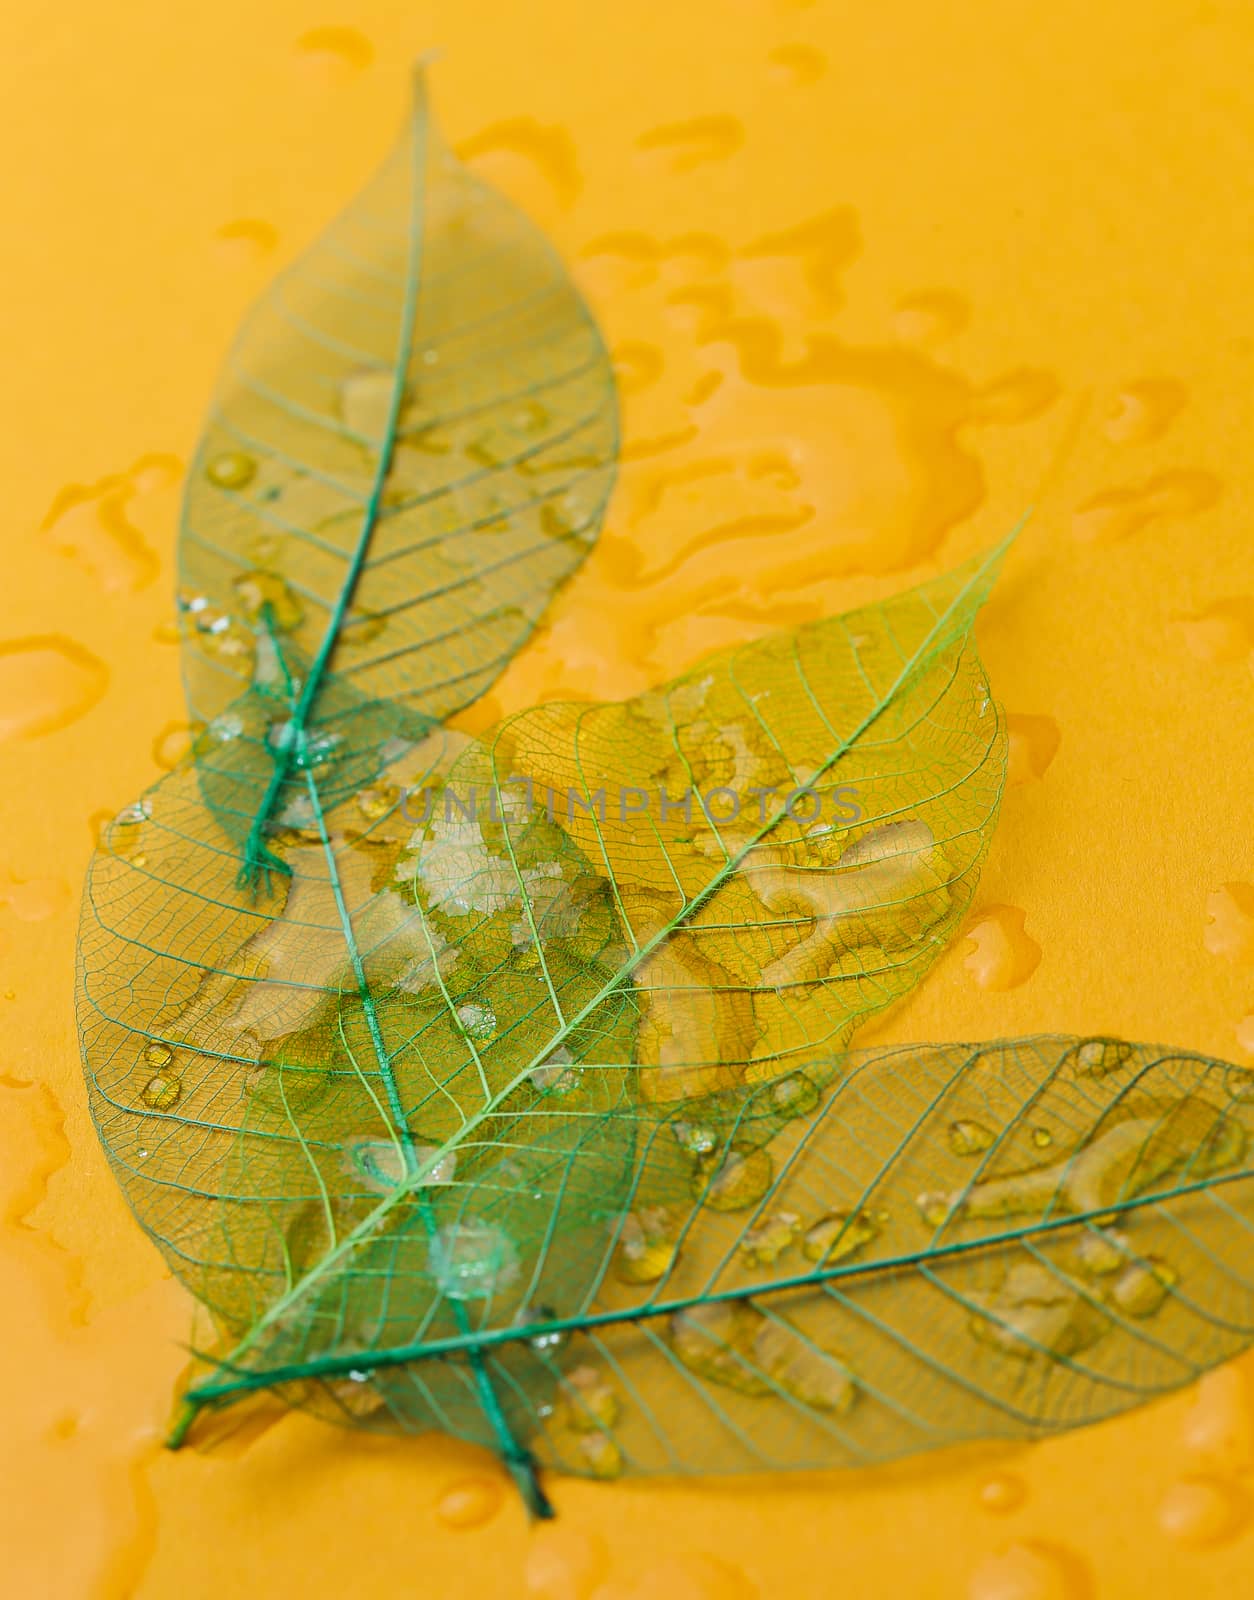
(945, 1243)
(288, 1083)
(411, 447)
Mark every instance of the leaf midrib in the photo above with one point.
(588, 1321)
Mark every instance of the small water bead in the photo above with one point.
(695, 1138)
(1094, 1058)
(1003, 1493)
(1042, 1138)
(471, 1259)
(307, 750)
(219, 634)
(1099, 1253)
(838, 1236)
(470, 1503)
(478, 1021)
(157, 1055)
(1024, 1572)
(375, 803)
(646, 1245)
(161, 1091)
(266, 592)
(360, 629)
(935, 1207)
(125, 834)
(1034, 1313)
(794, 1095)
(1199, 1511)
(1142, 1286)
(231, 470)
(132, 816)
(382, 1164)
(549, 1343)
(556, 1074)
(763, 1245)
(599, 1455)
(969, 1138)
(227, 727)
(734, 1182)
(590, 1400)
(562, 1562)
(1218, 1429)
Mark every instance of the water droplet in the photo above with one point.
(1094, 1058)
(46, 682)
(1042, 1138)
(1003, 1493)
(347, 49)
(161, 1091)
(1144, 410)
(563, 1563)
(969, 1138)
(469, 1503)
(1033, 744)
(838, 1236)
(1230, 923)
(1218, 1429)
(1003, 955)
(471, 1260)
(550, 1342)
(733, 1183)
(598, 1455)
(763, 1245)
(218, 634)
(646, 1245)
(794, 1095)
(230, 725)
(245, 240)
(590, 1400)
(123, 836)
(231, 470)
(33, 899)
(375, 803)
(1199, 1511)
(158, 1055)
(696, 1138)
(260, 592)
(1142, 1286)
(934, 1207)
(1025, 1572)
(307, 750)
(478, 1021)
(556, 1075)
(1099, 1253)
(172, 744)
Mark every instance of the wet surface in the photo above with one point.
(853, 327)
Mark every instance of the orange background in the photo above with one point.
(987, 254)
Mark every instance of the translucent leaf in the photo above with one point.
(401, 1095)
(410, 449)
(887, 1289)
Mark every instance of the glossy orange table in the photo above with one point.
(877, 278)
